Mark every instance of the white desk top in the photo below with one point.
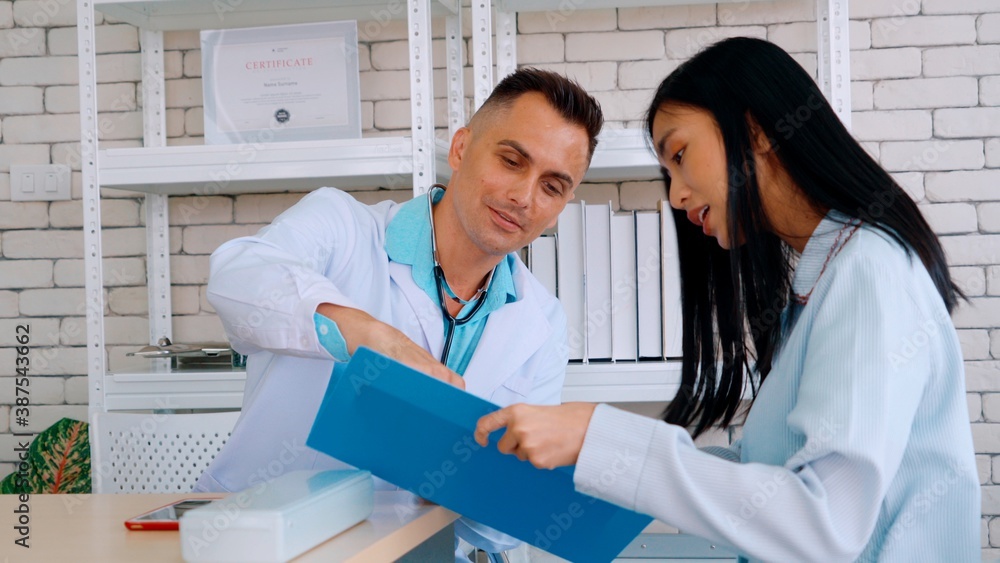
(91, 528)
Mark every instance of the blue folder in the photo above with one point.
(417, 432)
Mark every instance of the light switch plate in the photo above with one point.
(39, 182)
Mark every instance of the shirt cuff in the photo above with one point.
(330, 337)
(613, 455)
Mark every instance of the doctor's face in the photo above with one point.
(514, 170)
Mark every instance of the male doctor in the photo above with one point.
(331, 274)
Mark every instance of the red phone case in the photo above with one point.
(156, 525)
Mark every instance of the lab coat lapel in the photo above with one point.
(513, 334)
(427, 312)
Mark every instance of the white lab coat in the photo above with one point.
(330, 248)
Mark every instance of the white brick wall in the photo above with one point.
(950, 218)
(989, 217)
(891, 125)
(963, 185)
(932, 155)
(117, 38)
(23, 215)
(46, 13)
(925, 92)
(6, 14)
(988, 27)
(16, 100)
(962, 61)
(110, 97)
(963, 7)
(24, 42)
(958, 91)
(568, 20)
(993, 153)
(117, 272)
(614, 46)
(666, 17)
(878, 64)
(926, 30)
(683, 43)
(967, 122)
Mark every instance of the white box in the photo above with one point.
(277, 520)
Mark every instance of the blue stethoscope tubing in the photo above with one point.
(439, 279)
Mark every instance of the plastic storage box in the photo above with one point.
(277, 520)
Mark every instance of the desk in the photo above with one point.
(91, 528)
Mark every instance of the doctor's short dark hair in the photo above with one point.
(564, 95)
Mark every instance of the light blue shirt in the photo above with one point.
(408, 241)
(858, 446)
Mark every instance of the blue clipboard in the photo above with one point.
(417, 432)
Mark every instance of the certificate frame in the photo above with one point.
(281, 83)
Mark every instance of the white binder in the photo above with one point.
(571, 257)
(649, 286)
(670, 269)
(597, 220)
(625, 304)
(542, 261)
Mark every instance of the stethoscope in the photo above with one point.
(444, 290)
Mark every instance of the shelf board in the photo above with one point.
(561, 5)
(168, 15)
(223, 388)
(622, 155)
(169, 389)
(274, 167)
(622, 382)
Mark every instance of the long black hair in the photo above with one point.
(732, 299)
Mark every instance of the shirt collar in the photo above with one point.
(818, 248)
(408, 241)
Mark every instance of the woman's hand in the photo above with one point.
(547, 436)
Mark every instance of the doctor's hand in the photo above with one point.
(361, 329)
(547, 436)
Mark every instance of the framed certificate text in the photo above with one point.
(281, 83)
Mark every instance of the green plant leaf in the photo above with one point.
(11, 485)
(59, 459)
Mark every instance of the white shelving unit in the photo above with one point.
(416, 160)
(160, 171)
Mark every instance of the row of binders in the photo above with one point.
(618, 277)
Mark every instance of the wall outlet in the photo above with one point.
(42, 182)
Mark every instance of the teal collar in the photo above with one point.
(408, 241)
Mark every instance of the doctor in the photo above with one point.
(434, 283)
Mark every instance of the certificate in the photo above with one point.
(281, 83)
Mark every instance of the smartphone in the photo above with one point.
(165, 517)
